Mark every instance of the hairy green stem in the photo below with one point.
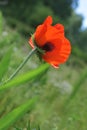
(21, 65)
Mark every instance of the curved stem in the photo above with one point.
(21, 65)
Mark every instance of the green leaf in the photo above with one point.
(17, 113)
(25, 77)
(4, 64)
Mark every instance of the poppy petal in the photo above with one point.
(41, 29)
(60, 28)
(31, 43)
(48, 20)
(60, 53)
(55, 65)
(65, 50)
(50, 33)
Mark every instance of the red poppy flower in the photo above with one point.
(51, 39)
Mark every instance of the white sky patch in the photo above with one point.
(82, 9)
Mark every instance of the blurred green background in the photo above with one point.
(62, 92)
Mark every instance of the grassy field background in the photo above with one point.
(62, 93)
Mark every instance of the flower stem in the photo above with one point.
(21, 65)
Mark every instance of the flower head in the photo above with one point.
(51, 39)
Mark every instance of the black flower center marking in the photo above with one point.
(48, 46)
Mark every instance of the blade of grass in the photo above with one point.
(25, 77)
(38, 127)
(1, 22)
(28, 126)
(18, 129)
(4, 64)
(77, 86)
(17, 113)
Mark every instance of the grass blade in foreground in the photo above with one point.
(17, 113)
(25, 77)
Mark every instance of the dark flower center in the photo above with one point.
(48, 46)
